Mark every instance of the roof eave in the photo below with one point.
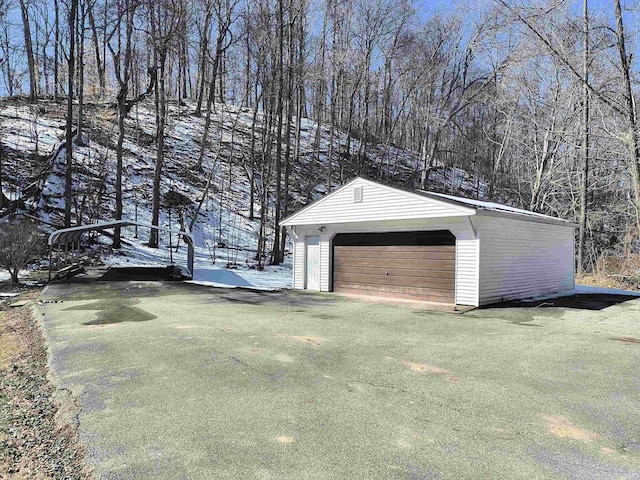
(309, 223)
(526, 218)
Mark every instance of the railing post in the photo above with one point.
(50, 261)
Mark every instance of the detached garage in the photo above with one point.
(369, 238)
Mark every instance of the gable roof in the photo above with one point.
(456, 206)
(497, 208)
(381, 202)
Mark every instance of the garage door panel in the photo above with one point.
(398, 251)
(396, 270)
(390, 257)
(398, 280)
(418, 276)
(425, 272)
(397, 292)
(387, 263)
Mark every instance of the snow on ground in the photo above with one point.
(272, 278)
(205, 271)
(210, 260)
(5, 277)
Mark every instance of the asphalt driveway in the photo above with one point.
(180, 381)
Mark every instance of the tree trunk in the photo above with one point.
(221, 83)
(161, 115)
(625, 63)
(3, 201)
(6, 47)
(184, 61)
(247, 71)
(123, 67)
(252, 164)
(69, 127)
(96, 48)
(81, 23)
(122, 96)
(56, 55)
(585, 140)
(276, 253)
(428, 166)
(287, 128)
(204, 53)
(211, 96)
(28, 45)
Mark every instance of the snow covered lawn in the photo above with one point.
(272, 278)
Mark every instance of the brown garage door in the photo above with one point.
(416, 265)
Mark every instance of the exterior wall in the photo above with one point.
(325, 262)
(467, 275)
(379, 203)
(467, 250)
(298, 263)
(520, 259)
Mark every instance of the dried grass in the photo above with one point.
(614, 272)
(35, 442)
(561, 427)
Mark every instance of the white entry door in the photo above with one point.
(313, 263)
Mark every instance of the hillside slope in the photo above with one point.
(32, 137)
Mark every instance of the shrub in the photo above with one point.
(20, 244)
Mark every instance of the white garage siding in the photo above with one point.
(325, 263)
(520, 259)
(467, 252)
(298, 263)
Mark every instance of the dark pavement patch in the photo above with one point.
(114, 311)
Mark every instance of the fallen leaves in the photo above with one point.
(561, 427)
(423, 367)
(312, 340)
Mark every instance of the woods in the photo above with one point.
(535, 101)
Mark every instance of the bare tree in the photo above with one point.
(71, 62)
(123, 65)
(28, 46)
(4, 201)
(96, 47)
(80, 32)
(226, 16)
(20, 244)
(164, 17)
(584, 187)
(631, 114)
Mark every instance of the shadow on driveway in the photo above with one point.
(578, 301)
